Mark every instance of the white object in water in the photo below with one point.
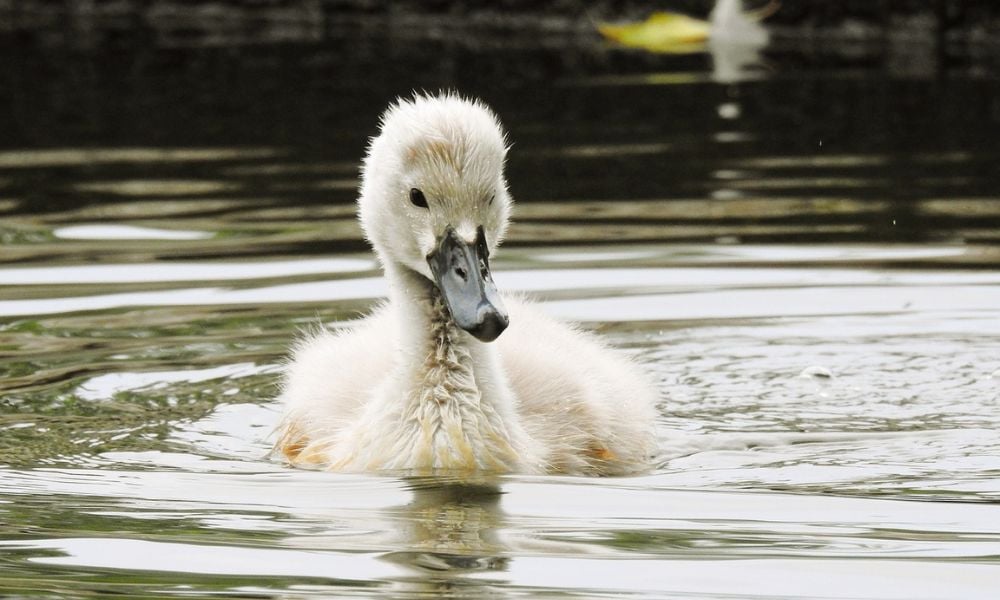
(728, 22)
(735, 41)
(420, 385)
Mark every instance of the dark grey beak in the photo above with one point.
(462, 273)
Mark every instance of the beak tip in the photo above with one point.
(489, 326)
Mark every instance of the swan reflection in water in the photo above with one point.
(451, 526)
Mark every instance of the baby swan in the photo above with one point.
(449, 374)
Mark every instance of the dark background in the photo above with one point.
(898, 80)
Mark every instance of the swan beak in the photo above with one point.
(462, 273)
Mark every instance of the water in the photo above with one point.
(803, 252)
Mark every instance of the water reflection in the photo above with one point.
(734, 61)
(125, 232)
(761, 198)
(733, 219)
(449, 530)
(29, 158)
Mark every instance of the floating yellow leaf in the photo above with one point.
(677, 33)
(661, 32)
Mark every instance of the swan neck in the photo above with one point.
(418, 301)
(436, 348)
(457, 397)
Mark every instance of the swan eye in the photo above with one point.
(417, 198)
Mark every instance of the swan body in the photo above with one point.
(449, 374)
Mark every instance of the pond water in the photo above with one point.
(803, 249)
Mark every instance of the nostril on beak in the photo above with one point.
(461, 273)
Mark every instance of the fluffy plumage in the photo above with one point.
(405, 389)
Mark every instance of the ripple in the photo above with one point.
(126, 232)
(816, 372)
(157, 187)
(180, 271)
(141, 555)
(65, 157)
(104, 387)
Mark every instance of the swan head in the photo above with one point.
(434, 200)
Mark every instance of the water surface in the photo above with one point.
(804, 255)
